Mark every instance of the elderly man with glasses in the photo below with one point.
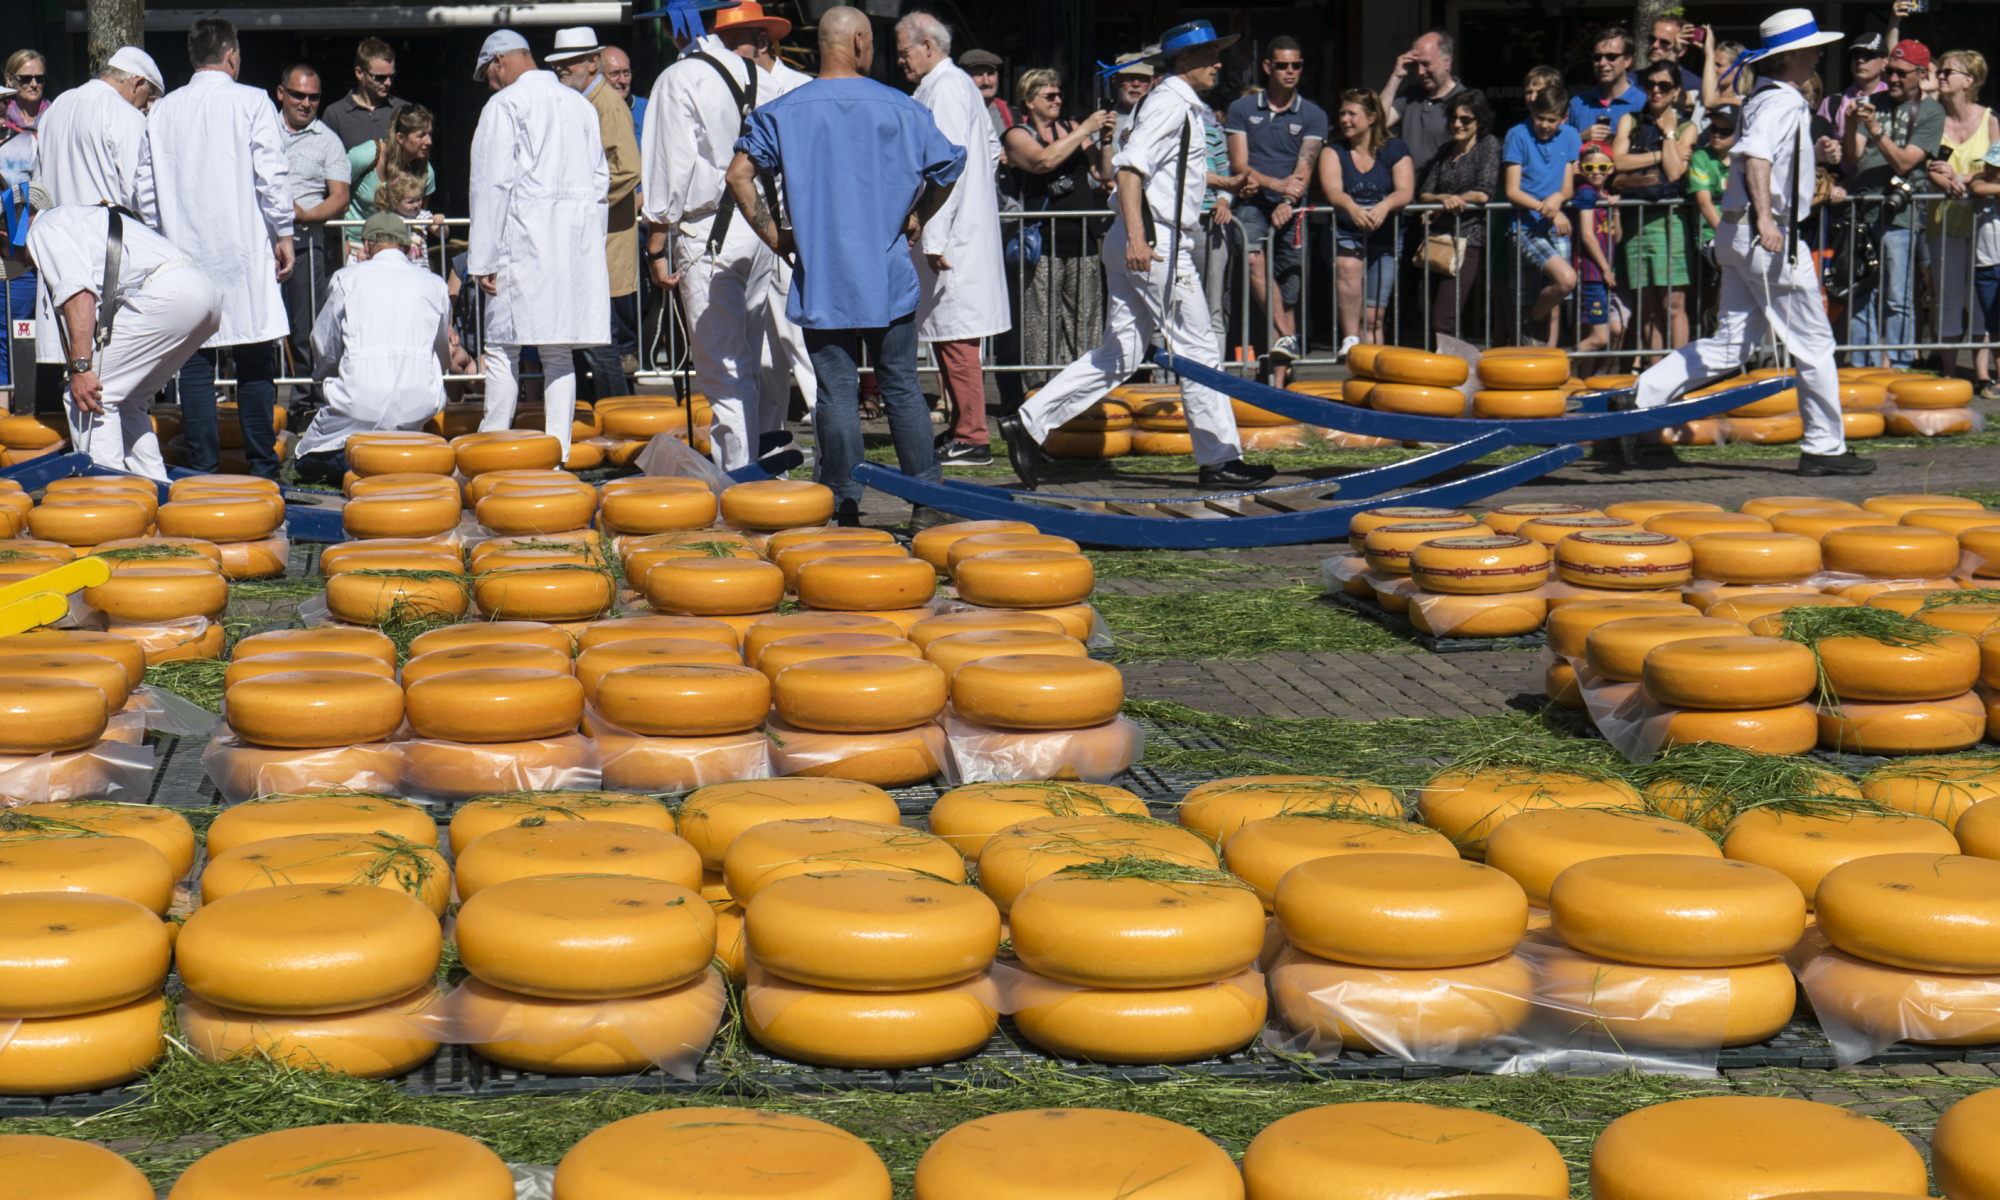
(321, 179)
(1595, 114)
(1891, 146)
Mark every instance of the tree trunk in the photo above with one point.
(1644, 13)
(114, 23)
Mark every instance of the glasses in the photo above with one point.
(29, 79)
(1464, 119)
(1051, 94)
(1662, 85)
(1297, 66)
(1948, 72)
(1608, 57)
(380, 78)
(1595, 168)
(1905, 72)
(1725, 131)
(301, 97)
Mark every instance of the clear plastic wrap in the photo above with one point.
(1498, 614)
(262, 558)
(110, 770)
(1933, 422)
(373, 1043)
(634, 762)
(670, 1029)
(242, 771)
(1139, 1025)
(166, 712)
(1343, 573)
(1633, 722)
(1865, 1007)
(438, 770)
(1099, 637)
(669, 455)
(983, 754)
(162, 640)
(902, 758)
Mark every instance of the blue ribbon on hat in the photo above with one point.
(14, 208)
(1771, 44)
(684, 16)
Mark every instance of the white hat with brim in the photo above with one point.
(134, 61)
(6, 91)
(499, 42)
(579, 42)
(1792, 29)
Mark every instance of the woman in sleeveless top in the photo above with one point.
(1057, 166)
(1969, 131)
(1651, 162)
(1367, 178)
(1464, 177)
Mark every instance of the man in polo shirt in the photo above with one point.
(1866, 60)
(1418, 107)
(1274, 139)
(363, 114)
(1891, 138)
(1595, 114)
(321, 178)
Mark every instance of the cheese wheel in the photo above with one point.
(1023, 578)
(1862, 668)
(862, 693)
(684, 700)
(1092, 436)
(725, 1153)
(872, 1030)
(498, 704)
(476, 487)
(1891, 552)
(308, 948)
(562, 1037)
(1034, 691)
(933, 544)
(1569, 626)
(300, 709)
(1260, 851)
(66, 952)
(1449, 1007)
(1944, 789)
(57, 1166)
(1479, 616)
(714, 586)
(790, 558)
(586, 937)
(850, 583)
(550, 594)
(1218, 808)
(604, 633)
(1754, 557)
(479, 658)
(392, 560)
(1524, 371)
(970, 816)
(1071, 1154)
(365, 598)
(1769, 506)
(1675, 909)
(1396, 365)
(1961, 1148)
(1921, 912)
(85, 1052)
(712, 817)
(771, 629)
(1673, 1008)
(1920, 392)
(1479, 565)
(1748, 610)
(108, 675)
(1816, 523)
(492, 633)
(1466, 806)
(955, 650)
(1784, 729)
(40, 714)
(870, 929)
(1641, 511)
(1805, 848)
(1378, 1149)
(404, 514)
(1400, 910)
(1388, 547)
(1496, 405)
(1863, 398)
(1972, 620)
(638, 562)
(1862, 593)
(1136, 932)
(1079, 621)
(1745, 1147)
(1144, 1025)
(1416, 400)
(333, 559)
(383, 1162)
(340, 812)
(1954, 521)
(1623, 559)
(505, 450)
(1041, 846)
(1358, 528)
(1860, 426)
(576, 848)
(375, 456)
(324, 637)
(1938, 422)
(28, 431)
(1550, 530)
(1509, 518)
(369, 1043)
(475, 819)
(640, 421)
(1560, 686)
(775, 504)
(255, 770)
(516, 509)
(147, 497)
(173, 642)
(396, 481)
(1730, 673)
(33, 548)
(810, 647)
(366, 860)
(86, 522)
(1690, 525)
(159, 827)
(593, 664)
(1535, 847)
(1778, 404)
(1617, 650)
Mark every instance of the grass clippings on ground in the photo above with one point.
(1241, 623)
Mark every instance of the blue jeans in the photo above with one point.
(19, 294)
(1987, 281)
(1894, 290)
(837, 415)
(256, 395)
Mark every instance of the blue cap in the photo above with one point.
(685, 15)
(1191, 35)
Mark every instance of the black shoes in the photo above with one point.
(1235, 473)
(1849, 463)
(954, 453)
(1022, 452)
(923, 516)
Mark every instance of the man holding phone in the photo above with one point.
(1596, 114)
(1891, 139)
(1672, 38)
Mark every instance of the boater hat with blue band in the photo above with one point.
(685, 15)
(1191, 35)
(1792, 29)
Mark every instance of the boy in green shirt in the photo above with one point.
(1708, 167)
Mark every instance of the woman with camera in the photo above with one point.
(1058, 166)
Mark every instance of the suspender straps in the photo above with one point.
(746, 103)
(114, 254)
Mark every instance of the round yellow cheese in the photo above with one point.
(1921, 392)
(549, 594)
(1261, 851)
(586, 937)
(1961, 1148)
(1218, 808)
(1921, 912)
(1786, 729)
(85, 1052)
(1380, 1148)
(1641, 511)
(41, 714)
(1535, 847)
(1074, 1154)
(1623, 559)
(1039, 847)
(712, 817)
(1816, 523)
(873, 1030)
(932, 544)
(869, 929)
(87, 522)
(1479, 565)
(1674, 1008)
(618, 629)
(576, 848)
(849, 583)
(1735, 557)
(400, 514)
(498, 704)
(1362, 523)
(1144, 1025)
(1465, 806)
(38, 1165)
(1550, 530)
(475, 658)
(361, 859)
(723, 1153)
(506, 450)
(476, 818)
(518, 509)
(970, 816)
(362, 598)
(1862, 668)
(1034, 691)
(987, 543)
(765, 853)
(1388, 547)
(1689, 525)
(1570, 625)
(1768, 506)
(1805, 848)
(1509, 518)
(1184, 928)
(1023, 578)
(1522, 371)
(714, 586)
(1538, 404)
(315, 708)
(370, 1043)
(1461, 1006)
(658, 509)
(593, 664)
(1507, 615)
(1944, 789)
(1676, 909)
(862, 693)
(335, 812)
(1401, 910)
(383, 1162)
(1891, 551)
(308, 948)
(381, 456)
(1746, 609)
(1730, 672)
(1417, 400)
(1617, 650)
(775, 504)
(955, 650)
(63, 953)
(1748, 1147)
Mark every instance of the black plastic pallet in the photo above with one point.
(1400, 625)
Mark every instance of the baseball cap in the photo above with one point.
(1913, 52)
(1868, 47)
(979, 58)
(385, 227)
(134, 61)
(1992, 156)
(499, 42)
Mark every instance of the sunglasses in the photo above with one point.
(29, 78)
(1608, 57)
(1905, 72)
(1722, 130)
(1051, 95)
(1948, 72)
(1662, 85)
(300, 96)
(1596, 168)
(1463, 119)
(380, 78)
(1297, 66)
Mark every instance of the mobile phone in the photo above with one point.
(1697, 36)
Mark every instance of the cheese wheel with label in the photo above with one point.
(1358, 528)
(712, 817)
(809, 647)
(1523, 370)
(576, 848)
(684, 699)
(1622, 559)
(1921, 912)
(863, 693)
(1754, 557)
(499, 704)
(65, 952)
(324, 637)
(1862, 668)
(775, 504)
(871, 929)
(1677, 910)
(1388, 547)
(601, 633)
(586, 937)
(1617, 649)
(479, 658)
(851, 583)
(1036, 691)
(1401, 910)
(368, 599)
(552, 594)
(1550, 530)
(1804, 848)
(714, 586)
(1816, 523)
(308, 948)
(1023, 578)
(304, 709)
(766, 853)
(1466, 806)
(1261, 850)
(1535, 847)
(1730, 673)
(1479, 565)
(1137, 933)
(1377, 1148)
(970, 816)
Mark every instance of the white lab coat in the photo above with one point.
(213, 178)
(539, 215)
(969, 300)
(782, 360)
(382, 344)
(90, 138)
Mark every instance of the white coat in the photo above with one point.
(382, 344)
(969, 300)
(90, 138)
(214, 179)
(540, 214)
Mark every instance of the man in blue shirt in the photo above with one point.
(853, 216)
(1274, 139)
(1594, 114)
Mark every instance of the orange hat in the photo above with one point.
(750, 15)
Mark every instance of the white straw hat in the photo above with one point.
(1792, 29)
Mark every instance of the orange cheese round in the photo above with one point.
(1920, 392)
(483, 815)
(1378, 1148)
(1730, 672)
(714, 586)
(308, 948)
(1401, 910)
(376, 456)
(551, 594)
(516, 509)
(1479, 565)
(849, 583)
(593, 664)
(1480, 616)
(586, 937)
(1954, 521)
(1961, 1148)
(1862, 668)
(1550, 530)
(771, 629)
(1752, 609)
(1920, 912)
(286, 816)
(1397, 365)
(1641, 511)
(1076, 443)
(492, 633)
(1816, 523)
(860, 693)
(324, 637)
(388, 1162)
(87, 522)
(148, 497)
(1805, 848)
(404, 514)
(357, 485)
(477, 486)
(505, 450)
(479, 658)
(1891, 551)
(1677, 910)
(601, 633)
(1754, 557)
(1622, 559)
(576, 848)
(1617, 650)
(876, 1030)
(713, 816)
(1466, 806)
(1137, 933)
(300, 709)
(1072, 1154)
(40, 714)
(38, 1165)
(792, 556)
(495, 705)
(1416, 400)
(1785, 729)
(870, 929)
(933, 544)
(1861, 426)
(1946, 789)
(657, 509)
(776, 504)
(85, 1052)
(109, 675)
(1769, 506)
(810, 647)
(1388, 547)
(1218, 808)
(1035, 691)
(1690, 525)
(1041, 846)
(1570, 625)
(1749, 1146)
(1023, 578)
(1920, 727)
(369, 599)
(1509, 518)
(333, 559)
(1144, 1025)
(773, 850)
(1496, 405)
(1535, 847)
(684, 699)
(1524, 371)
(1262, 850)
(362, 860)
(955, 650)
(392, 560)
(970, 816)
(369, 1043)
(1358, 528)
(64, 952)
(721, 1152)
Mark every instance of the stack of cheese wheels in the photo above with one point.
(359, 1159)
(711, 819)
(81, 971)
(1569, 627)
(1895, 686)
(66, 686)
(1262, 850)
(240, 514)
(866, 966)
(1923, 406)
(1418, 384)
(1139, 962)
(1070, 1154)
(1395, 931)
(1473, 586)
(863, 717)
(479, 727)
(1741, 563)
(318, 705)
(1025, 572)
(311, 973)
(551, 506)
(1104, 430)
(1736, 690)
(1466, 806)
(1740, 1146)
(1040, 846)
(1674, 946)
(1376, 1148)
(253, 770)
(552, 956)
(27, 436)
(389, 452)
(1057, 710)
(1521, 383)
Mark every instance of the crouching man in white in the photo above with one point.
(382, 344)
(130, 308)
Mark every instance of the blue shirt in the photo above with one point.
(1588, 108)
(638, 106)
(854, 155)
(1544, 166)
(1273, 137)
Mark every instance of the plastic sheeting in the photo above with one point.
(669, 455)
(671, 1029)
(1096, 754)
(903, 753)
(162, 711)
(1631, 720)
(1865, 1007)
(439, 771)
(243, 772)
(1099, 637)
(113, 769)
(634, 762)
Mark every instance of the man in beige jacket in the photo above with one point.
(575, 62)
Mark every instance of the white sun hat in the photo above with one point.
(577, 42)
(1791, 29)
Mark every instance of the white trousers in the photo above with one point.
(1140, 306)
(157, 329)
(503, 389)
(782, 360)
(1762, 293)
(723, 300)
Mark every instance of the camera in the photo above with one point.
(1896, 196)
(1060, 187)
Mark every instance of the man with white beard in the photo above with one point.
(539, 215)
(214, 180)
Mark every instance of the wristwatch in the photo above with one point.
(654, 255)
(80, 366)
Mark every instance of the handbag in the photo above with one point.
(1441, 254)
(1023, 247)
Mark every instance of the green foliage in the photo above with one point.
(1240, 623)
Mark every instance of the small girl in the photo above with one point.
(404, 196)
(1602, 313)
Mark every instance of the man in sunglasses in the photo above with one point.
(321, 179)
(1866, 60)
(363, 114)
(1595, 114)
(1891, 144)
